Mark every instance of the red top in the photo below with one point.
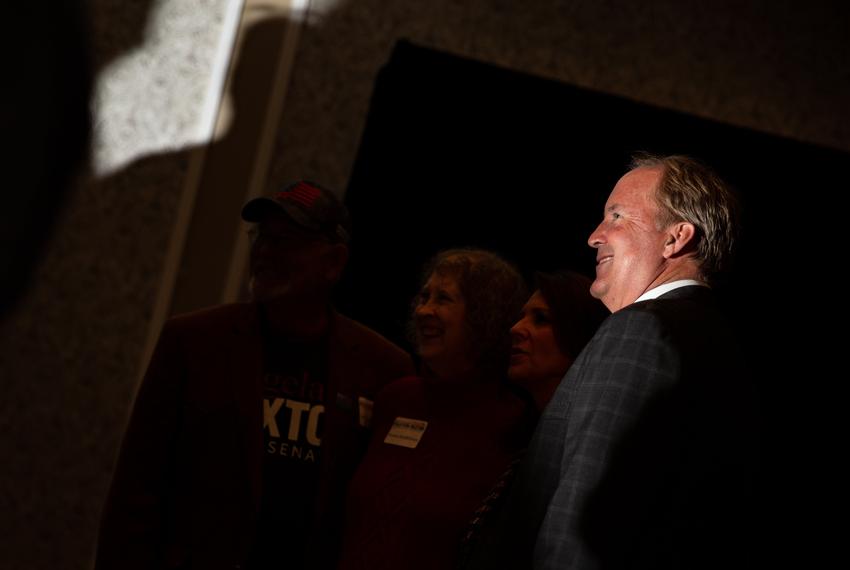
(408, 508)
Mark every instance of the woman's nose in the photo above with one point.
(519, 331)
(425, 308)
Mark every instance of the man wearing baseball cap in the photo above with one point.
(252, 416)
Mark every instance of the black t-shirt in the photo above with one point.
(294, 399)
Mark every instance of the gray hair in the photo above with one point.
(690, 191)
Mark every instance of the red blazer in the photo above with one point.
(186, 489)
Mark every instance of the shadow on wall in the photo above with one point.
(45, 359)
(44, 116)
(73, 352)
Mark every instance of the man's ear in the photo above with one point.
(337, 257)
(680, 238)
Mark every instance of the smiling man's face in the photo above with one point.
(629, 244)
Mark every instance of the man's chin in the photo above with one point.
(597, 289)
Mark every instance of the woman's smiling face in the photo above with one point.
(442, 338)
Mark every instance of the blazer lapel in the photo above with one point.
(338, 404)
(246, 370)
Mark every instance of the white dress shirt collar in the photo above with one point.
(656, 292)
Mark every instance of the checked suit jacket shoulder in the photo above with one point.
(647, 443)
(644, 456)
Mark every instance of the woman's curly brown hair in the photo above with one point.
(494, 293)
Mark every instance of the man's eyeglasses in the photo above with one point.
(291, 238)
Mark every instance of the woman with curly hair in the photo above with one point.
(440, 439)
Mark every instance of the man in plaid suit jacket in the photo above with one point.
(643, 458)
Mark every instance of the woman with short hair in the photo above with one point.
(440, 439)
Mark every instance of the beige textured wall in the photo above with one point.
(780, 67)
(70, 352)
(69, 355)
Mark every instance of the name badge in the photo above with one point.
(365, 405)
(406, 432)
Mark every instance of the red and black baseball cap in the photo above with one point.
(308, 205)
